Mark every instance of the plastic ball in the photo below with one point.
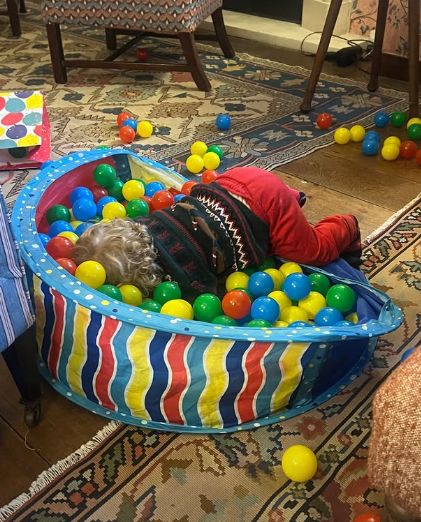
(166, 291)
(236, 304)
(75, 223)
(162, 199)
(114, 210)
(44, 238)
(136, 208)
(290, 268)
(150, 305)
(70, 235)
(102, 202)
(209, 176)
(178, 308)
(199, 147)
(407, 353)
(98, 192)
(277, 277)
(141, 54)
(319, 282)
(408, 149)
(418, 157)
(328, 317)
(352, 317)
(80, 193)
(372, 135)
(258, 323)
(187, 187)
(217, 150)
(131, 122)
(293, 313)
(105, 175)
(260, 284)
(342, 136)
(145, 129)
(297, 286)
(111, 291)
(265, 308)
(414, 131)
(18, 152)
(357, 133)
(299, 463)
(84, 209)
(381, 119)
(195, 164)
(223, 122)
(324, 120)
(133, 189)
(153, 187)
(299, 324)
(211, 160)
(411, 121)
(179, 197)
(281, 298)
(82, 228)
(127, 134)
(370, 147)
(59, 247)
(67, 264)
(397, 119)
(224, 320)
(392, 140)
(342, 297)
(59, 226)
(390, 152)
(58, 213)
(122, 117)
(206, 307)
(91, 273)
(131, 295)
(367, 517)
(312, 304)
(269, 262)
(236, 280)
(280, 324)
(116, 190)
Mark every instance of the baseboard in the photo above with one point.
(394, 66)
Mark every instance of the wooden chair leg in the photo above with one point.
(221, 33)
(332, 16)
(56, 51)
(22, 6)
(193, 60)
(382, 9)
(413, 56)
(12, 11)
(111, 39)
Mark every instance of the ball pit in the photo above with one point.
(138, 366)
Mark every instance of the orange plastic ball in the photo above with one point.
(407, 149)
(418, 157)
(187, 187)
(127, 134)
(122, 117)
(162, 199)
(208, 176)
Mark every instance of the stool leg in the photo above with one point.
(413, 56)
(332, 16)
(378, 45)
(111, 39)
(57, 54)
(193, 60)
(12, 11)
(221, 33)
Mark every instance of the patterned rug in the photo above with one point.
(128, 474)
(262, 97)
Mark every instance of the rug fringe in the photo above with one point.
(54, 472)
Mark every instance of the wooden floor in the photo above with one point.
(336, 179)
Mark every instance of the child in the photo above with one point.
(245, 216)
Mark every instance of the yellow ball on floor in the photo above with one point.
(342, 136)
(178, 308)
(299, 463)
(211, 160)
(411, 121)
(131, 295)
(290, 268)
(199, 147)
(144, 129)
(195, 164)
(390, 152)
(357, 133)
(392, 140)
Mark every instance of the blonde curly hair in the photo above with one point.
(125, 249)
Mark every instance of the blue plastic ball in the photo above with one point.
(178, 197)
(407, 354)
(223, 122)
(265, 308)
(84, 209)
(344, 323)
(130, 122)
(80, 229)
(328, 317)
(297, 286)
(260, 283)
(59, 226)
(80, 193)
(102, 202)
(44, 238)
(370, 147)
(153, 187)
(372, 135)
(381, 119)
(299, 324)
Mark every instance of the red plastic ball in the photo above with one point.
(141, 54)
(418, 157)
(368, 517)
(408, 149)
(127, 134)
(187, 187)
(59, 247)
(99, 192)
(147, 199)
(161, 199)
(236, 304)
(122, 117)
(208, 176)
(324, 120)
(67, 264)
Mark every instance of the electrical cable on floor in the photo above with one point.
(27, 446)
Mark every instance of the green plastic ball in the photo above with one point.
(414, 131)
(397, 119)
(224, 320)
(136, 208)
(112, 291)
(319, 283)
(58, 213)
(150, 305)
(206, 307)
(246, 291)
(341, 297)
(258, 323)
(250, 270)
(269, 262)
(166, 291)
(18, 152)
(102, 147)
(217, 150)
(116, 190)
(105, 175)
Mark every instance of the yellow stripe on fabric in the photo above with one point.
(216, 382)
(39, 310)
(78, 354)
(290, 364)
(141, 378)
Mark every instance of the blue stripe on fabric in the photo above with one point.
(160, 375)
(49, 321)
(123, 368)
(273, 376)
(92, 356)
(236, 377)
(67, 341)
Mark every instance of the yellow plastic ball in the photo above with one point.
(113, 210)
(145, 129)
(70, 235)
(277, 277)
(131, 295)
(195, 164)
(178, 308)
(357, 133)
(353, 317)
(75, 224)
(290, 268)
(299, 463)
(290, 314)
(390, 152)
(211, 160)
(392, 140)
(411, 121)
(236, 280)
(91, 273)
(312, 304)
(280, 324)
(342, 136)
(199, 147)
(133, 189)
(281, 298)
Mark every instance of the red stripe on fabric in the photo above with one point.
(106, 369)
(254, 378)
(57, 333)
(178, 378)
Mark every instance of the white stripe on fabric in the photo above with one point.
(6, 321)
(7, 243)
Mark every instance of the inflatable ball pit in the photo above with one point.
(165, 373)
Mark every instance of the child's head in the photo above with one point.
(124, 247)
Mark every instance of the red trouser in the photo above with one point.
(291, 235)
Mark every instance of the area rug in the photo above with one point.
(128, 474)
(262, 97)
